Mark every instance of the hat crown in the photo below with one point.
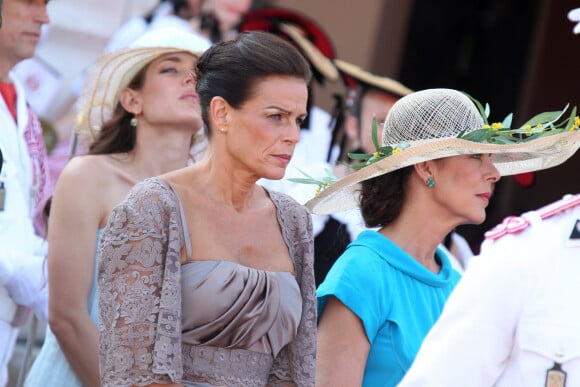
(430, 114)
(171, 37)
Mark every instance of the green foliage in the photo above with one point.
(541, 125)
(321, 182)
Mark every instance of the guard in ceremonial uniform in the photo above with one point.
(514, 318)
(23, 181)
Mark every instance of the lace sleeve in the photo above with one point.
(139, 290)
(296, 363)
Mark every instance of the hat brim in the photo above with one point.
(509, 159)
(318, 60)
(362, 76)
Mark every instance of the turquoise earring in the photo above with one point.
(430, 182)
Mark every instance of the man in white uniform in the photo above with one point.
(514, 318)
(22, 180)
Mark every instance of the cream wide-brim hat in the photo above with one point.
(113, 72)
(364, 77)
(526, 156)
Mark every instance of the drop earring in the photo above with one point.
(430, 182)
(133, 122)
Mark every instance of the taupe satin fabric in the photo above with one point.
(229, 305)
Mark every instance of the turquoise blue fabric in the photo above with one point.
(397, 299)
(51, 368)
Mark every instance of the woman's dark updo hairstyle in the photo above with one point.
(381, 197)
(117, 135)
(230, 69)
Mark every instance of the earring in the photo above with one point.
(133, 122)
(430, 182)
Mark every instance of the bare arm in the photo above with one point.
(72, 236)
(343, 347)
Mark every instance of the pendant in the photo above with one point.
(555, 376)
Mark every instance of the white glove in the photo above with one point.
(28, 285)
(6, 269)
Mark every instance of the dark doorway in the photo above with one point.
(480, 47)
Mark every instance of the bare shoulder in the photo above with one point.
(183, 177)
(88, 170)
(87, 186)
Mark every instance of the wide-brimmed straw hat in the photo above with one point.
(114, 71)
(355, 76)
(436, 123)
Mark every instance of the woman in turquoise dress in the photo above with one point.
(155, 117)
(436, 169)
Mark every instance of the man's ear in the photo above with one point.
(130, 100)
(219, 110)
(352, 130)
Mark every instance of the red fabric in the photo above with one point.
(269, 19)
(8, 92)
(525, 179)
(266, 19)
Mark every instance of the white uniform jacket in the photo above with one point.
(516, 311)
(21, 251)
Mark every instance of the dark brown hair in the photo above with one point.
(382, 197)
(117, 135)
(231, 69)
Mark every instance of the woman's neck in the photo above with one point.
(418, 236)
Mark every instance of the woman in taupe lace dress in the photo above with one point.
(206, 278)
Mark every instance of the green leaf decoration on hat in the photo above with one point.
(364, 159)
(322, 182)
(380, 151)
(541, 125)
(374, 133)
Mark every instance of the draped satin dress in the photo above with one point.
(201, 323)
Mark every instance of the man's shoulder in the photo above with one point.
(520, 225)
